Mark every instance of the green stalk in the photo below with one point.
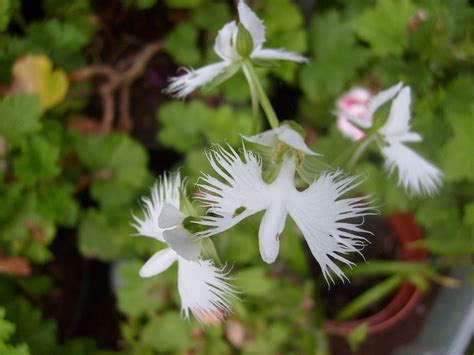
(263, 98)
(317, 317)
(255, 110)
(360, 150)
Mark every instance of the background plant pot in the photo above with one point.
(406, 297)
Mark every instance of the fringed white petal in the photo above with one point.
(182, 86)
(183, 243)
(278, 54)
(226, 41)
(398, 121)
(204, 291)
(416, 174)
(239, 193)
(252, 23)
(322, 217)
(158, 263)
(165, 190)
(383, 97)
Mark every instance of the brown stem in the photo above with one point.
(129, 76)
(121, 79)
(17, 266)
(106, 90)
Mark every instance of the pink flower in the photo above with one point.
(354, 106)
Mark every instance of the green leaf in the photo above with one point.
(357, 336)
(119, 168)
(181, 124)
(58, 203)
(5, 14)
(38, 161)
(79, 346)
(103, 237)
(443, 39)
(254, 283)
(369, 297)
(167, 333)
(384, 26)
(62, 41)
(211, 16)
(238, 245)
(445, 233)
(36, 285)
(21, 349)
(285, 29)
(188, 126)
(57, 35)
(140, 4)
(329, 72)
(183, 4)
(29, 232)
(469, 214)
(225, 125)
(182, 45)
(139, 296)
(19, 115)
(385, 188)
(458, 159)
(31, 328)
(6, 328)
(66, 8)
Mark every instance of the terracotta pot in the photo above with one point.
(406, 297)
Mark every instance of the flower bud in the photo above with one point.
(244, 42)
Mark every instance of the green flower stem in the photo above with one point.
(263, 98)
(317, 318)
(360, 151)
(255, 109)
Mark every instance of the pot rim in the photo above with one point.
(406, 230)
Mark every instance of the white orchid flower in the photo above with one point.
(203, 288)
(319, 212)
(416, 174)
(226, 47)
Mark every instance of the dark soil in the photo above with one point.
(81, 300)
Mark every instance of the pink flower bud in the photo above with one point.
(354, 103)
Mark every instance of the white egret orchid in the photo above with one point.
(320, 213)
(226, 46)
(416, 174)
(203, 288)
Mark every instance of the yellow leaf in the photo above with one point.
(35, 74)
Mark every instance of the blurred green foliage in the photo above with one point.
(54, 179)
